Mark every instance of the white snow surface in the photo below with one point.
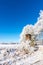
(9, 56)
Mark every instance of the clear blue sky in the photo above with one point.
(14, 14)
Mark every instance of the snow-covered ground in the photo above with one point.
(9, 56)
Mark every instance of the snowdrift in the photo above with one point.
(9, 56)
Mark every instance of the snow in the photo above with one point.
(8, 56)
(13, 54)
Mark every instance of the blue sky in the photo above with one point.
(14, 15)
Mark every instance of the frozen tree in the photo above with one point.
(34, 30)
(38, 27)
